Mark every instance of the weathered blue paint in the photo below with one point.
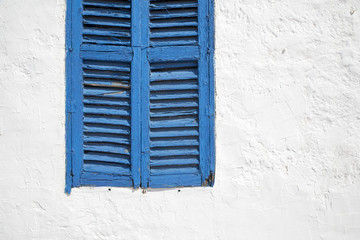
(135, 94)
(165, 67)
(68, 120)
(211, 50)
(145, 128)
(76, 97)
(204, 91)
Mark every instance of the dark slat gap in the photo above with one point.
(157, 110)
(175, 148)
(195, 100)
(174, 157)
(173, 66)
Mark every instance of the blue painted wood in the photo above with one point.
(101, 96)
(174, 53)
(154, 63)
(145, 68)
(204, 91)
(68, 115)
(135, 93)
(108, 180)
(108, 53)
(177, 180)
(179, 93)
(211, 50)
(77, 96)
(174, 161)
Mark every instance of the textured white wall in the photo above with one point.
(287, 122)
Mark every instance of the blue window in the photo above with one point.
(140, 93)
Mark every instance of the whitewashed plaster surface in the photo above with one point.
(287, 125)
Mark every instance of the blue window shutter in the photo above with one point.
(140, 107)
(105, 90)
(176, 137)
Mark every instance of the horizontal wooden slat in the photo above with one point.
(106, 120)
(167, 181)
(174, 143)
(106, 128)
(107, 110)
(176, 122)
(106, 32)
(106, 168)
(107, 157)
(104, 3)
(100, 179)
(175, 85)
(185, 22)
(186, 103)
(106, 13)
(173, 95)
(168, 152)
(106, 52)
(174, 162)
(173, 4)
(174, 75)
(107, 101)
(173, 41)
(174, 13)
(173, 53)
(106, 138)
(107, 148)
(180, 170)
(174, 132)
(174, 112)
(96, 92)
(173, 33)
(110, 76)
(105, 40)
(106, 22)
(106, 66)
(105, 83)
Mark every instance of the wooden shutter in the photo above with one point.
(176, 130)
(140, 88)
(104, 94)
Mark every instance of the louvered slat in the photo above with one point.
(107, 22)
(106, 78)
(173, 22)
(106, 116)
(174, 129)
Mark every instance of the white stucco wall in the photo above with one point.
(287, 124)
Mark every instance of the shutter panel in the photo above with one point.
(104, 96)
(177, 130)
